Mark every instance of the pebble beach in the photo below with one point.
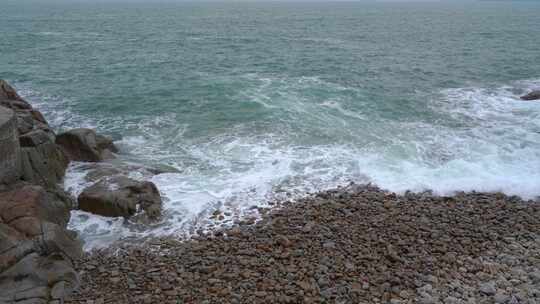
(357, 244)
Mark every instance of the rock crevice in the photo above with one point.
(37, 251)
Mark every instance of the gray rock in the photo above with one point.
(33, 138)
(36, 249)
(501, 298)
(534, 95)
(97, 171)
(105, 143)
(34, 156)
(36, 292)
(7, 92)
(535, 276)
(44, 164)
(121, 196)
(488, 288)
(451, 300)
(36, 270)
(9, 147)
(427, 299)
(25, 122)
(85, 145)
(59, 290)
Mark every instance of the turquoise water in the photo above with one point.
(261, 101)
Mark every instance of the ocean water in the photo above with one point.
(261, 101)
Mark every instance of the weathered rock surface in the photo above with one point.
(7, 92)
(9, 147)
(43, 163)
(355, 245)
(38, 159)
(121, 196)
(85, 145)
(96, 171)
(534, 95)
(36, 251)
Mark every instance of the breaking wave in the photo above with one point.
(475, 138)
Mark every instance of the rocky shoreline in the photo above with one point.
(357, 244)
(37, 250)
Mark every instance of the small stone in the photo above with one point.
(426, 288)
(152, 270)
(432, 279)
(171, 293)
(304, 285)
(488, 288)
(283, 241)
(535, 277)
(329, 245)
(451, 300)
(427, 299)
(166, 286)
(501, 298)
(114, 280)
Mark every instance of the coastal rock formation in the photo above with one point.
(121, 196)
(36, 249)
(7, 92)
(85, 145)
(37, 158)
(534, 95)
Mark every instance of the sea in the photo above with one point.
(252, 102)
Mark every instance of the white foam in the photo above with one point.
(494, 145)
(98, 231)
(485, 139)
(74, 181)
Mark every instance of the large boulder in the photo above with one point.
(84, 144)
(534, 95)
(122, 196)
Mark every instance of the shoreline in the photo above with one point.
(357, 244)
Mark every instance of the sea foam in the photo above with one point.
(486, 139)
